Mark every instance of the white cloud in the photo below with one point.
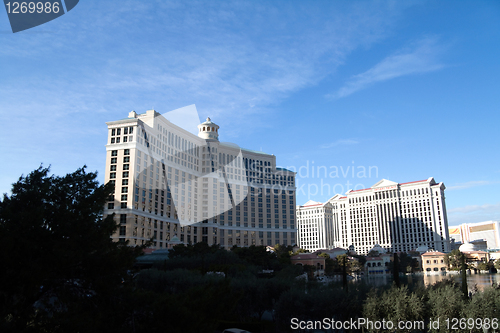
(340, 142)
(231, 59)
(235, 60)
(421, 57)
(469, 185)
(473, 213)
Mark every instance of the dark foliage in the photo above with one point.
(56, 250)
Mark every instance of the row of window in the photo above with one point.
(118, 131)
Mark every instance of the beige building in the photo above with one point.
(311, 259)
(170, 182)
(433, 262)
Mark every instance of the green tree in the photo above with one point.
(497, 264)
(255, 255)
(330, 266)
(283, 253)
(55, 248)
(396, 304)
(300, 251)
(453, 260)
(445, 301)
(483, 266)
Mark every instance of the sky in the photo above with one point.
(346, 93)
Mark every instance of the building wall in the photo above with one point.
(488, 231)
(433, 262)
(169, 182)
(315, 227)
(398, 217)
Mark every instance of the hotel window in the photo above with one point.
(125, 174)
(126, 152)
(112, 140)
(112, 175)
(113, 131)
(114, 153)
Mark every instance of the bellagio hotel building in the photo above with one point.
(399, 217)
(172, 186)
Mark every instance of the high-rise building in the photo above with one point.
(172, 186)
(398, 217)
(315, 226)
(488, 232)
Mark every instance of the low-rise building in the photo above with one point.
(434, 262)
(333, 253)
(378, 265)
(311, 259)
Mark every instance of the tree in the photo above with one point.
(397, 304)
(453, 259)
(482, 266)
(283, 253)
(324, 255)
(373, 253)
(497, 264)
(300, 251)
(55, 248)
(463, 267)
(395, 270)
(407, 264)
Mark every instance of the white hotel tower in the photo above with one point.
(398, 217)
(172, 186)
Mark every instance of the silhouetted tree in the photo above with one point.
(56, 251)
(395, 270)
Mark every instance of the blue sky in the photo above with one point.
(406, 89)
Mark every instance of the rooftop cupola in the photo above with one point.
(208, 130)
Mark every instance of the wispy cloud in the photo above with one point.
(231, 59)
(340, 142)
(470, 184)
(421, 57)
(235, 60)
(473, 213)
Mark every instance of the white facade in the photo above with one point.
(315, 226)
(398, 217)
(169, 182)
(488, 231)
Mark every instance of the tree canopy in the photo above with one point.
(55, 247)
